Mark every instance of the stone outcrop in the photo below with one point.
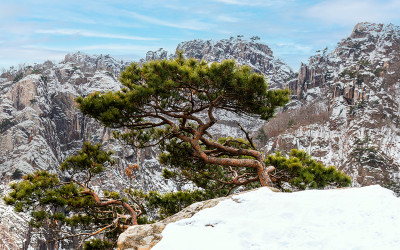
(159, 54)
(143, 237)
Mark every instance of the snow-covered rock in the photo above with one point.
(354, 218)
(147, 235)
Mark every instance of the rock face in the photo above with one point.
(40, 126)
(146, 236)
(142, 237)
(159, 54)
(14, 231)
(346, 106)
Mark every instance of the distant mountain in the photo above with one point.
(245, 52)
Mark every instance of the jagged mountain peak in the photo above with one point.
(94, 62)
(370, 42)
(224, 47)
(249, 52)
(373, 28)
(159, 54)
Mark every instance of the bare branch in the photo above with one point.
(249, 139)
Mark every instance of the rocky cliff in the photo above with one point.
(345, 108)
(40, 126)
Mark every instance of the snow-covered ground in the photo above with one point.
(354, 218)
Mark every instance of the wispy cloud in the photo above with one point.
(346, 12)
(92, 34)
(187, 24)
(255, 2)
(16, 55)
(117, 47)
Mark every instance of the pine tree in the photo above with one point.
(69, 200)
(162, 102)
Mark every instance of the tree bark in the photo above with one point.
(257, 163)
(263, 174)
(130, 210)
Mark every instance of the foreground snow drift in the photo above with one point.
(356, 218)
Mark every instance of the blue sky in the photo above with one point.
(34, 31)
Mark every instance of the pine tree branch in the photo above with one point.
(249, 139)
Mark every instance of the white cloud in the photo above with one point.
(117, 47)
(188, 24)
(255, 2)
(16, 55)
(92, 34)
(347, 12)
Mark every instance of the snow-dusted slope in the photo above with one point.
(356, 218)
(346, 106)
(41, 126)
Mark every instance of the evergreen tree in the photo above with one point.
(69, 200)
(297, 171)
(163, 102)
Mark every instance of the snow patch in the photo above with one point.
(356, 218)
